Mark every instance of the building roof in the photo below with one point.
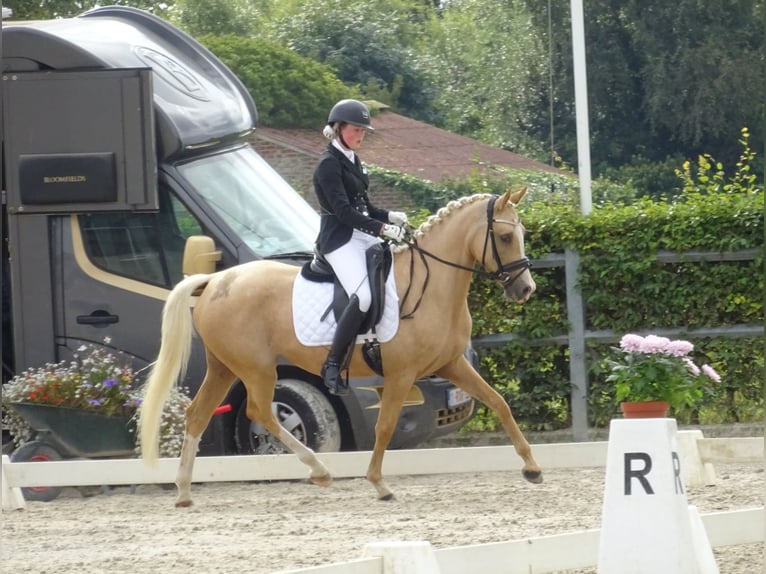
(409, 146)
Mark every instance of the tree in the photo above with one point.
(492, 87)
(47, 9)
(199, 17)
(289, 91)
(369, 44)
(702, 71)
(680, 76)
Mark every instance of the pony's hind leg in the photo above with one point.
(462, 374)
(218, 379)
(260, 395)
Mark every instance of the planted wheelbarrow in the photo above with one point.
(62, 433)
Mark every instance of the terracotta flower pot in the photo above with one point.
(645, 409)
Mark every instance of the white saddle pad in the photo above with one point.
(310, 301)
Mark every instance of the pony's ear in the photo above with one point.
(514, 197)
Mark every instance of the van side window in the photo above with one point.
(147, 247)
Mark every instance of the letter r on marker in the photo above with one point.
(637, 473)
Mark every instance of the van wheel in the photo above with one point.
(300, 408)
(37, 451)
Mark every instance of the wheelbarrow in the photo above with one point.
(65, 433)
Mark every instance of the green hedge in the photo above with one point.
(274, 76)
(624, 288)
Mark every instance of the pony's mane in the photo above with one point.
(442, 214)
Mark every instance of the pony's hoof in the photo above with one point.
(325, 480)
(387, 497)
(183, 503)
(533, 476)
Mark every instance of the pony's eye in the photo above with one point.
(506, 238)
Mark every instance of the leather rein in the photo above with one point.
(505, 274)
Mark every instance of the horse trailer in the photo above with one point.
(125, 148)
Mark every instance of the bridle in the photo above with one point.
(505, 274)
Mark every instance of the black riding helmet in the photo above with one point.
(350, 112)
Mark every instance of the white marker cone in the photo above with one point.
(645, 521)
(702, 549)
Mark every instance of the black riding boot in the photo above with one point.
(344, 338)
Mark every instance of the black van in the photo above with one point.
(124, 141)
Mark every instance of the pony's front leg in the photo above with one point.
(319, 474)
(394, 393)
(461, 373)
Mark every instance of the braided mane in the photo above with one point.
(442, 214)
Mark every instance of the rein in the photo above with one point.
(504, 273)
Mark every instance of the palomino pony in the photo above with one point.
(244, 317)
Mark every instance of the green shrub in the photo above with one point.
(289, 90)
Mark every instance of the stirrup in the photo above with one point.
(333, 379)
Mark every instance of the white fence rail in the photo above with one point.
(75, 472)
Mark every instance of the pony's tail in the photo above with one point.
(170, 365)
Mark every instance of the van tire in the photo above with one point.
(37, 451)
(301, 409)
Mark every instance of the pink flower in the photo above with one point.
(691, 365)
(710, 372)
(679, 348)
(631, 342)
(654, 344)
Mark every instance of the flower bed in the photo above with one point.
(97, 381)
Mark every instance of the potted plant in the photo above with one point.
(656, 373)
(86, 407)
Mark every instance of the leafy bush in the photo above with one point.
(274, 75)
(644, 177)
(96, 380)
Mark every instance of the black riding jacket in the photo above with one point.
(341, 188)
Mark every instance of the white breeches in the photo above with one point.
(350, 266)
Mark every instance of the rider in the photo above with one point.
(349, 225)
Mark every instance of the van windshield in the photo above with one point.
(264, 211)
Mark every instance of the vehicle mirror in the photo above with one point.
(200, 255)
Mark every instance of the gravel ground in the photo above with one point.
(271, 526)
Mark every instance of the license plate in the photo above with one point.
(456, 397)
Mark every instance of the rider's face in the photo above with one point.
(353, 135)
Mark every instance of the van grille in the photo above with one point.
(446, 417)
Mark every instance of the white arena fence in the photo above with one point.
(533, 555)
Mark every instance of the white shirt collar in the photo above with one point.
(347, 152)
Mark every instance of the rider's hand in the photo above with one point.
(397, 218)
(393, 233)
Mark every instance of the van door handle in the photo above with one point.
(97, 318)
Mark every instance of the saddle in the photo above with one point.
(379, 261)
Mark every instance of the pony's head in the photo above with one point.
(503, 253)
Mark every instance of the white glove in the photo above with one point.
(397, 218)
(393, 233)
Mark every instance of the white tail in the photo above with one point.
(170, 365)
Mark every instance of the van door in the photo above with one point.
(116, 272)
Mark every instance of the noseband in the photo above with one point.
(504, 274)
